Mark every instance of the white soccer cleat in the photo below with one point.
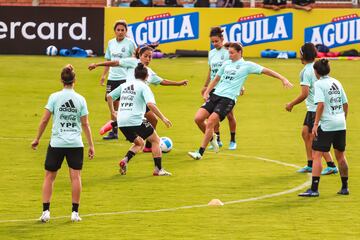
(161, 172)
(214, 143)
(45, 216)
(75, 217)
(195, 155)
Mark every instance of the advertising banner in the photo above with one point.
(257, 29)
(30, 30)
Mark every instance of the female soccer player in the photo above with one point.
(135, 96)
(118, 48)
(307, 79)
(329, 126)
(228, 81)
(143, 55)
(69, 112)
(217, 57)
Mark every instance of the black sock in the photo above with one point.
(315, 183)
(201, 151)
(115, 130)
(344, 181)
(75, 207)
(330, 164)
(148, 144)
(114, 124)
(217, 136)
(46, 206)
(157, 162)
(129, 155)
(232, 134)
(310, 163)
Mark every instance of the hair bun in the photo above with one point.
(324, 61)
(140, 66)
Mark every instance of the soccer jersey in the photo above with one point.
(131, 63)
(216, 60)
(118, 50)
(233, 76)
(308, 78)
(330, 91)
(67, 108)
(134, 95)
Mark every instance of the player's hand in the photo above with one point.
(315, 130)
(167, 122)
(242, 91)
(34, 144)
(184, 82)
(92, 66)
(205, 95)
(102, 81)
(91, 152)
(288, 107)
(287, 84)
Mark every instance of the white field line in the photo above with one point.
(297, 188)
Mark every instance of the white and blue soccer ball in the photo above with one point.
(51, 50)
(166, 144)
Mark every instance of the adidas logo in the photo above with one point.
(130, 89)
(68, 107)
(334, 89)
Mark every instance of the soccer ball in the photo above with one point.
(51, 51)
(165, 144)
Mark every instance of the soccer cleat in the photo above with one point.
(309, 193)
(195, 155)
(146, 150)
(232, 145)
(219, 143)
(305, 169)
(45, 216)
(329, 170)
(123, 167)
(214, 143)
(75, 217)
(107, 127)
(111, 136)
(161, 172)
(343, 191)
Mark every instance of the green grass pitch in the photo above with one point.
(116, 207)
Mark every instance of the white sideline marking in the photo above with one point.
(307, 183)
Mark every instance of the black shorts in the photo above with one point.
(274, 2)
(55, 157)
(309, 120)
(323, 141)
(144, 131)
(303, 2)
(147, 109)
(111, 85)
(220, 105)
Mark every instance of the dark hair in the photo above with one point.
(141, 71)
(68, 75)
(237, 46)
(121, 22)
(216, 32)
(322, 67)
(140, 50)
(308, 52)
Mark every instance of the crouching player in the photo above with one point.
(134, 97)
(329, 126)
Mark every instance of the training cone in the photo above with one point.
(107, 127)
(215, 202)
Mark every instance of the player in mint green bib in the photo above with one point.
(308, 54)
(118, 48)
(217, 57)
(144, 56)
(70, 115)
(229, 81)
(329, 126)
